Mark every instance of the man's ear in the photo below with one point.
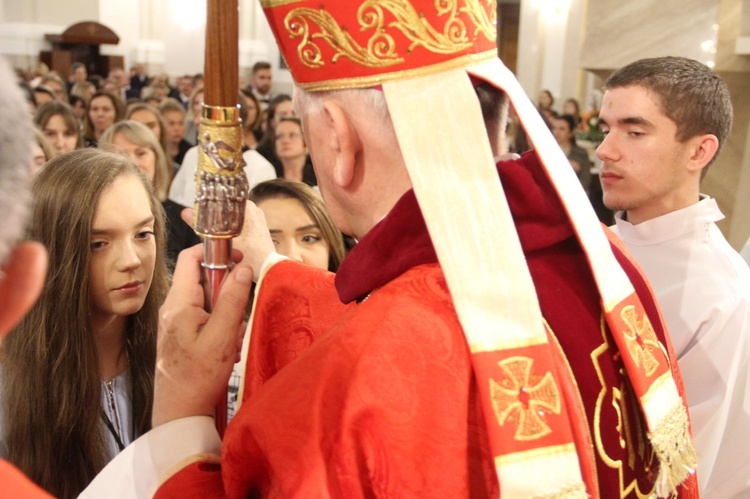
(347, 143)
(704, 149)
(21, 283)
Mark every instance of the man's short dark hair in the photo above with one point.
(261, 65)
(691, 95)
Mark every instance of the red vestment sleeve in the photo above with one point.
(296, 304)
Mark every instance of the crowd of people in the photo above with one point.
(447, 319)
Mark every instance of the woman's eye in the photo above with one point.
(146, 234)
(310, 238)
(97, 245)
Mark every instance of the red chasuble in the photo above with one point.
(13, 484)
(371, 392)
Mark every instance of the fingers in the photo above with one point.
(187, 277)
(229, 311)
(188, 216)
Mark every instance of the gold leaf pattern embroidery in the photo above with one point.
(641, 339)
(524, 400)
(381, 49)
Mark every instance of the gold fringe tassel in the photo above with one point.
(674, 448)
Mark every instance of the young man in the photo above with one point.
(462, 348)
(260, 83)
(665, 121)
(22, 265)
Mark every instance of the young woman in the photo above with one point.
(294, 162)
(59, 124)
(251, 124)
(300, 225)
(280, 106)
(41, 151)
(103, 110)
(137, 142)
(78, 370)
(150, 117)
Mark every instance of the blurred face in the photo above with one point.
(80, 75)
(146, 117)
(143, 157)
(197, 107)
(570, 108)
(123, 250)
(252, 112)
(562, 132)
(57, 88)
(643, 165)
(42, 98)
(38, 158)
(294, 232)
(262, 80)
(79, 108)
(283, 110)
(102, 113)
(175, 121)
(545, 99)
(62, 138)
(289, 141)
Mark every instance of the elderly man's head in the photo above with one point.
(23, 265)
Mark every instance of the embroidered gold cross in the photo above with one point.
(641, 339)
(524, 399)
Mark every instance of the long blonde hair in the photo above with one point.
(141, 136)
(52, 392)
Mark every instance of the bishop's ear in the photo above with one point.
(347, 143)
(21, 283)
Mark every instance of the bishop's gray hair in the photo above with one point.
(15, 166)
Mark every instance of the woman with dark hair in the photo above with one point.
(563, 128)
(300, 225)
(103, 110)
(280, 106)
(252, 123)
(293, 161)
(59, 124)
(78, 371)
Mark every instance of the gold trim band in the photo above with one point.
(379, 79)
(270, 4)
(221, 114)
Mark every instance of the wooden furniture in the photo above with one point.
(80, 43)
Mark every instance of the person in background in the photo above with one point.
(563, 129)
(665, 121)
(193, 116)
(53, 81)
(79, 108)
(252, 126)
(280, 107)
(294, 162)
(150, 117)
(59, 124)
(43, 94)
(103, 110)
(93, 330)
(571, 107)
(261, 79)
(78, 74)
(41, 151)
(173, 116)
(299, 223)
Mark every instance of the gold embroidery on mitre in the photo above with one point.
(524, 399)
(381, 49)
(640, 338)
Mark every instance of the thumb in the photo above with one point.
(229, 309)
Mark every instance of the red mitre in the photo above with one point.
(337, 44)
